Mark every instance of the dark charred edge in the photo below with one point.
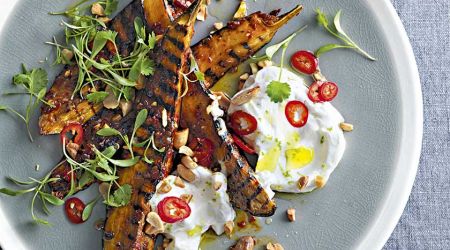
(234, 55)
(246, 46)
(241, 169)
(172, 58)
(209, 73)
(175, 42)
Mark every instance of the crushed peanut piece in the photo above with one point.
(186, 197)
(155, 224)
(185, 173)
(72, 149)
(180, 138)
(320, 181)
(218, 25)
(164, 117)
(188, 162)
(97, 9)
(302, 182)
(291, 214)
(274, 246)
(67, 73)
(125, 106)
(265, 63)
(254, 68)
(104, 19)
(154, 104)
(228, 227)
(346, 127)
(186, 151)
(244, 76)
(217, 185)
(179, 182)
(164, 188)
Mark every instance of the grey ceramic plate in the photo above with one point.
(365, 196)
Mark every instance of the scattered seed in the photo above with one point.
(346, 127)
(188, 162)
(291, 214)
(179, 182)
(185, 173)
(228, 227)
(244, 76)
(218, 25)
(302, 182)
(164, 117)
(254, 68)
(186, 151)
(320, 181)
(164, 188)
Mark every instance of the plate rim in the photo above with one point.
(411, 129)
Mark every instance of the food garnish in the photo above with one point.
(173, 209)
(296, 113)
(203, 150)
(74, 208)
(243, 123)
(336, 30)
(72, 132)
(242, 145)
(35, 83)
(328, 91)
(305, 62)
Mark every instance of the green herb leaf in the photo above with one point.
(329, 47)
(103, 176)
(200, 76)
(52, 199)
(11, 192)
(322, 18)
(110, 151)
(108, 132)
(278, 91)
(88, 209)
(18, 182)
(100, 41)
(143, 65)
(85, 179)
(121, 196)
(97, 97)
(140, 119)
(125, 163)
(121, 80)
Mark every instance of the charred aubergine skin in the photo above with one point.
(245, 190)
(124, 228)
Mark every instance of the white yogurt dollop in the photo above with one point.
(287, 153)
(209, 208)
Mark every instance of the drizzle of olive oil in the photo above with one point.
(268, 161)
(298, 157)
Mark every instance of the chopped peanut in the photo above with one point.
(244, 76)
(265, 63)
(155, 224)
(302, 182)
(186, 151)
(164, 117)
(180, 138)
(274, 246)
(291, 214)
(218, 25)
(229, 226)
(188, 162)
(179, 182)
(97, 9)
(185, 173)
(245, 96)
(186, 197)
(320, 182)
(254, 68)
(346, 127)
(164, 188)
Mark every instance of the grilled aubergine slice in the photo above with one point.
(124, 227)
(68, 109)
(245, 190)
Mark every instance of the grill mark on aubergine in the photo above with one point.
(175, 42)
(172, 58)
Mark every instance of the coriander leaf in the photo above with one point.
(108, 132)
(103, 163)
(140, 119)
(122, 195)
(278, 91)
(88, 209)
(151, 40)
(111, 6)
(337, 23)
(139, 28)
(322, 18)
(329, 47)
(52, 199)
(128, 93)
(22, 79)
(125, 163)
(39, 80)
(97, 97)
(147, 66)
